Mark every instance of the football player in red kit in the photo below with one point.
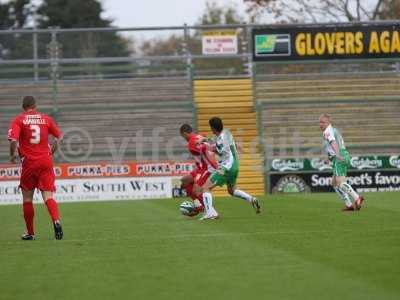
(28, 134)
(205, 164)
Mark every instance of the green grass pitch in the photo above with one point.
(301, 247)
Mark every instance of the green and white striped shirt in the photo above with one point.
(226, 149)
(329, 135)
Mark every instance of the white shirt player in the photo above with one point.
(226, 149)
(329, 135)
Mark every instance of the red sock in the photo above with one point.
(29, 213)
(200, 198)
(52, 207)
(189, 190)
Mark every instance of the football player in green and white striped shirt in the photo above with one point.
(228, 169)
(340, 158)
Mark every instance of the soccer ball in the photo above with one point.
(187, 209)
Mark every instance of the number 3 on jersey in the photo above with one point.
(35, 134)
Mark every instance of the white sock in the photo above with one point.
(345, 187)
(213, 211)
(208, 201)
(343, 196)
(242, 195)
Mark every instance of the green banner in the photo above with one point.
(319, 164)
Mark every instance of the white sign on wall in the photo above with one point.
(219, 42)
(96, 189)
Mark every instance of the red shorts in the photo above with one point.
(200, 176)
(38, 174)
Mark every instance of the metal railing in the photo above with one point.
(42, 54)
(57, 50)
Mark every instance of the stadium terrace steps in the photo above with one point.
(371, 127)
(222, 105)
(229, 122)
(134, 91)
(114, 108)
(221, 94)
(338, 92)
(324, 87)
(232, 100)
(368, 108)
(120, 98)
(308, 73)
(350, 86)
(229, 110)
(318, 99)
(350, 124)
(327, 80)
(232, 117)
(333, 77)
(315, 142)
(365, 106)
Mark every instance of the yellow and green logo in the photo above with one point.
(265, 43)
(272, 44)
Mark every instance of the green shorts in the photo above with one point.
(340, 167)
(229, 177)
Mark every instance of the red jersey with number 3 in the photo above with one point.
(31, 130)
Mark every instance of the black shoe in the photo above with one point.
(27, 237)
(256, 205)
(58, 232)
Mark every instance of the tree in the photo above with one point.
(21, 12)
(71, 14)
(174, 44)
(322, 11)
(215, 14)
(82, 14)
(14, 15)
(390, 10)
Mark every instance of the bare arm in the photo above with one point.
(13, 151)
(55, 146)
(239, 148)
(209, 145)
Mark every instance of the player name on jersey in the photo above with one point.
(34, 120)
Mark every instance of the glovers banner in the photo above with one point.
(326, 42)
